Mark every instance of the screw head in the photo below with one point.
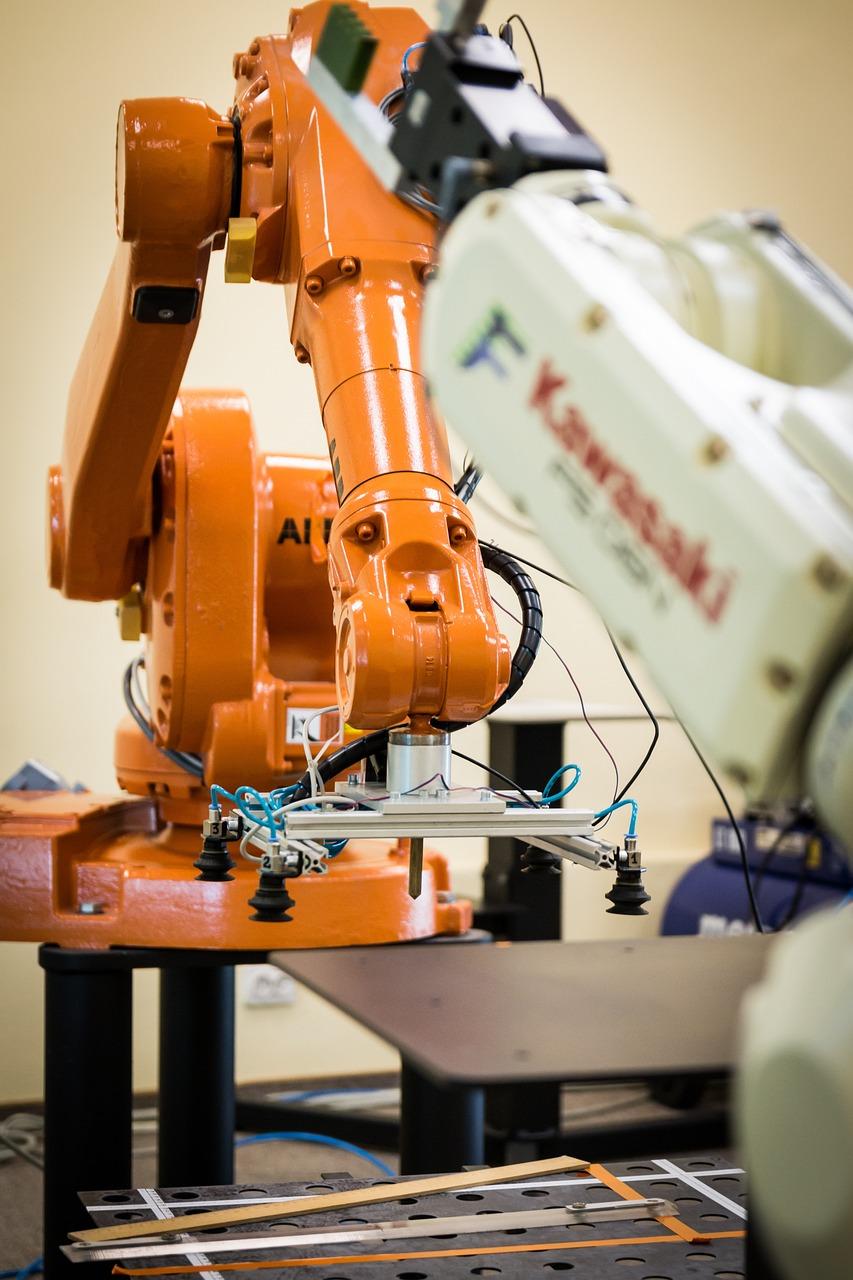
(301, 354)
(827, 573)
(594, 318)
(366, 531)
(458, 534)
(714, 450)
(739, 773)
(314, 285)
(348, 266)
(779, 676)
(427, 272)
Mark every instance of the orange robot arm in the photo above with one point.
(417, 637)
(173, 191)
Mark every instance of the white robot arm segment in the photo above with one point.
(703, 505)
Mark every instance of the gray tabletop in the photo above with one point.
(495, 1014)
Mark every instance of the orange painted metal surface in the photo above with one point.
(173, 188)
(417, 635)
(232, 551)
(61, 851)
(354, 259)
(236, 609)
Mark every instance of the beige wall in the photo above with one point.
(701, 106)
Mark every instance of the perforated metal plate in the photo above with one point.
(708, 1191)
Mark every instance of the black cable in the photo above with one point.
(799, 820)
(602, 822)
(192, 764)
(655, 729)
(539, 568)
(466, 485)
(797, 895)
(531, 564)
(391, 100)
(586, 718)
(527, 594)
(756, 914)
(489, 768)
(781, 834)
(344, 759)
(416, 197)
(747, 874)
(522, 584)
(516, 17)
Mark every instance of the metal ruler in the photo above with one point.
(376, 1232)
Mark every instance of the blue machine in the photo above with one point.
(794, 871)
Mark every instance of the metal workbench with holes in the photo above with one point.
(706, 1189)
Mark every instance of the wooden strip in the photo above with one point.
(622, 1189)
(352, 1259)
(337, 1200)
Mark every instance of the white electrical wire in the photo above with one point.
(312, 761)
(298, 845)
(21, 1134)
(247, 839)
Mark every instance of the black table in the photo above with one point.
(464, 1018)
(88, 1076)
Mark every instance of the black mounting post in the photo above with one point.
(523, 905)
(88, 1077)
(441, 1128)
(87, 1090)
(196, 1115)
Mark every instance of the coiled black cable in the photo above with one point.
(527, 594)
(530, 602)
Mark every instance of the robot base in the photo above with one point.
(83, 870)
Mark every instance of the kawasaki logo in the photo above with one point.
(686, 559)
(495, 338)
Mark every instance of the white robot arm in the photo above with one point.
(675, 417)
(676, 420)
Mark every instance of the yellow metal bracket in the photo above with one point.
(129, 613)
(240, 250)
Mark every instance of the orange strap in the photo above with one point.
(675, 1225)
(272, 1263)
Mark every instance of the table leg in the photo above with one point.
(196, 1119)
(87, 1092)
(441, 1128)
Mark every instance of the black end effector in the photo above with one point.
(541, 862)
(471, 123)
(214, 862)
(271, 901)
(628, 894)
